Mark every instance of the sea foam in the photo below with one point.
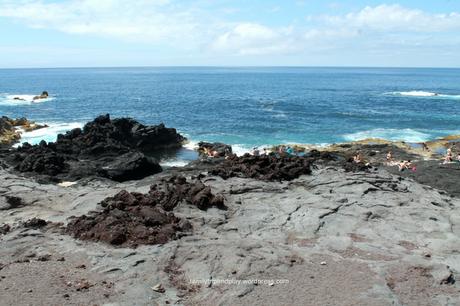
(408, 135)
(7, 99)
(422, 94)
(49, 133)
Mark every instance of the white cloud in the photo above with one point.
(191, 28)
(254, 39)
(144, 20)
(396, 18)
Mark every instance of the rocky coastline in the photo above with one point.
(11, 129)
(93, 219)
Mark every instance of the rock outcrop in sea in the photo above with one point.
(11, 129)
(44, 95)
(118, 149)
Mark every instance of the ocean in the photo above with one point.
(244, 107)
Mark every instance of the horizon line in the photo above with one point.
(230, 66)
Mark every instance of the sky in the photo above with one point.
(114, 33)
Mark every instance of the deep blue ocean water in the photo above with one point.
(245, 107)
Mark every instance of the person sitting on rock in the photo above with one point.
(207, 151)
(389, 157)
(449, 158)
(215, 154)
(255, 151)
(281, 150)
(358, 158)
(403, 165)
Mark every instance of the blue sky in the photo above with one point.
(85, 33)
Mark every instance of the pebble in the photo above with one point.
(158, 288)
(323, 263)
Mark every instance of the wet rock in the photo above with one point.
(117, 149)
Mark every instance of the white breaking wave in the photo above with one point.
(416, 93)
(191, 145)
(6, 99)
(420, 93)
(408, 135)
(174, 163)
(49, 133)
(238, 149)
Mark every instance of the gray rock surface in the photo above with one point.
(330, 238)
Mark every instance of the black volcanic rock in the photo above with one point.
(132, 218)
(219, 149)
(133, 165)
(117, 149)
(264, 167)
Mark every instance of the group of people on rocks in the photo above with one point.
(402, 165)
(390, 161)
(210, 152)
(407, 164)
(449, 158)
(281, 151)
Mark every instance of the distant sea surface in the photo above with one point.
(245, 107)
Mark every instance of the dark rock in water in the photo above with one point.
(116, 149)
(130, 219)
(264, 167)
(44, 95)
(215, 149)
